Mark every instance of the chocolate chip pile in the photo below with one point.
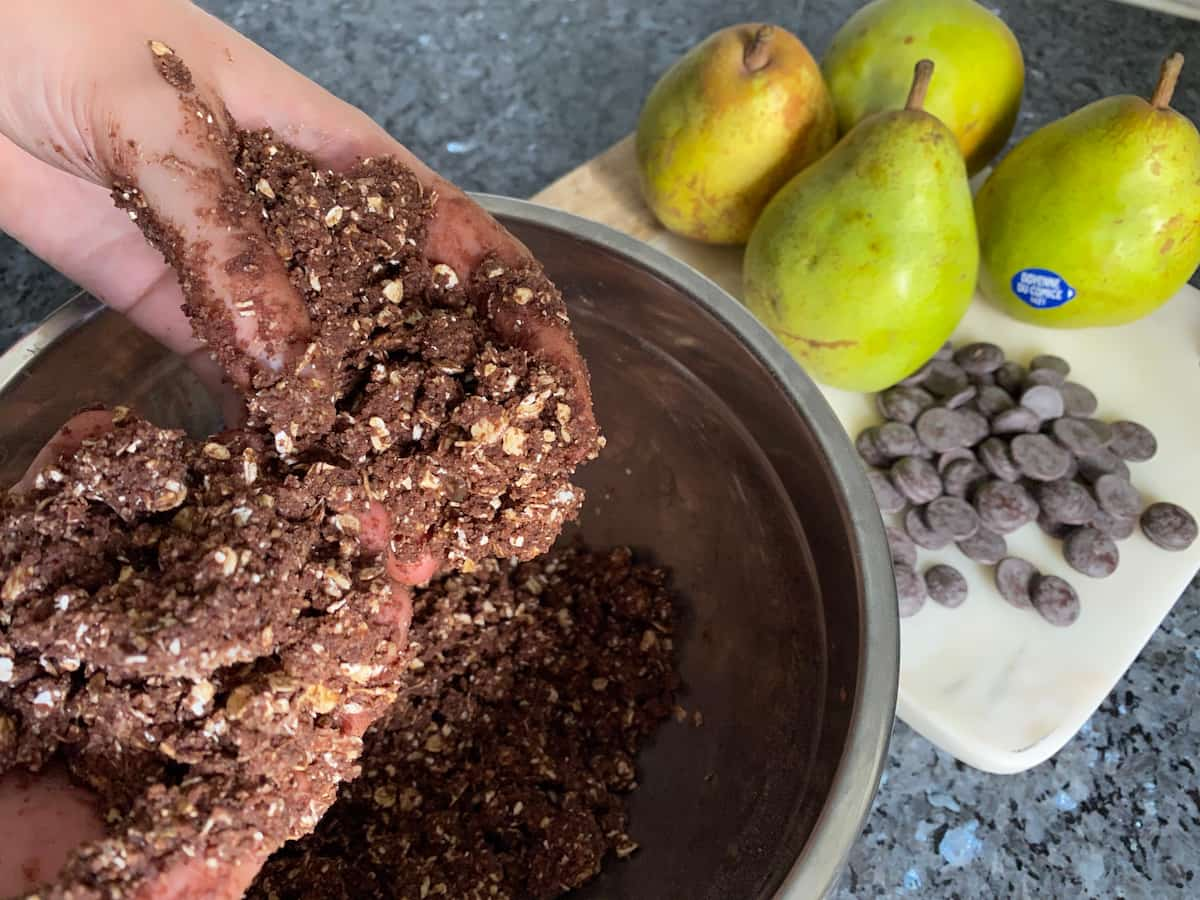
(200, 627)
(500, 772)
(975, 446)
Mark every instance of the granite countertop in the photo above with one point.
(505, 97)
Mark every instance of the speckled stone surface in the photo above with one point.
(507, 97)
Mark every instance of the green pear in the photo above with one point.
(864, 263)
(726, 126)
(980, 69)
(1095, 219)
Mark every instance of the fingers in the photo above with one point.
(375, 521)
(168, 140)
(376, 537)
(85, 426)
(158, 137)
(118, 267)
(412, 573)
(202, 879)
(43, 818)
(461, 234)
(262, 91)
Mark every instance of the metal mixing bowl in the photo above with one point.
(725, 464)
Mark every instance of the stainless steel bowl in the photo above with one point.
(725, 464)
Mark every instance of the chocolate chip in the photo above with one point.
(942, 429)
(952, 455)
(1103, 430)
(984, 546)
(904, 551)
(1117, 496)
(1014, 581)
(1116, 527)
(889, 499)
(896, 439)
(1011, 376)
(966, 395)
(1043, 378)
(1077, 399)
(1091, 553)
(1015, 421)
(867, 445)
(910, 591)
(1038, 457)
(1056, 600)
(1169, 526)
(986, 380)
(1072, 467)
(946, 585)
(1052, 527)
(952, 516)
(997, 459)
(993, 399)
(962, 476)
(903, 403)
(1047, 361)
(1132, 441)
(916, 479)
(917, 377)
(1066, 501)
(1004, 507)
(1076, 435)
(975, 426)
(979, 358)
(1044, 399)
(944, 378)
(923, 452)
(919, 530)
(1104, 462)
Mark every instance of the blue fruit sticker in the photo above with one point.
(1041, 288)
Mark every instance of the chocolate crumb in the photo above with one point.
(503, 768)
(171, 67)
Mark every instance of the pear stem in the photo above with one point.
(921, 75)
(1168, 77)
(758, 51)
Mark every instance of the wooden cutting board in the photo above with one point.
(998, 687)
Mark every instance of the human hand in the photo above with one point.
(46, 816)
(69, 135)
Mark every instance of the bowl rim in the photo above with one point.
(818, 866)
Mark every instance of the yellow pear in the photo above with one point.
(864, 263)
(980, 69)
(726, 126)
(1095, 219)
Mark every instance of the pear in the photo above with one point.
(864, 263)
(726, 126)
(1095, 219)
(981, 72)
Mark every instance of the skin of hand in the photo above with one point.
(84, 108)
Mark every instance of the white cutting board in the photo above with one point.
(998, 687)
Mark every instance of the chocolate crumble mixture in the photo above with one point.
(501, 770)
(199, 627)
(199, 645)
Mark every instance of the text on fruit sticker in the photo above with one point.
(1041, 288)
